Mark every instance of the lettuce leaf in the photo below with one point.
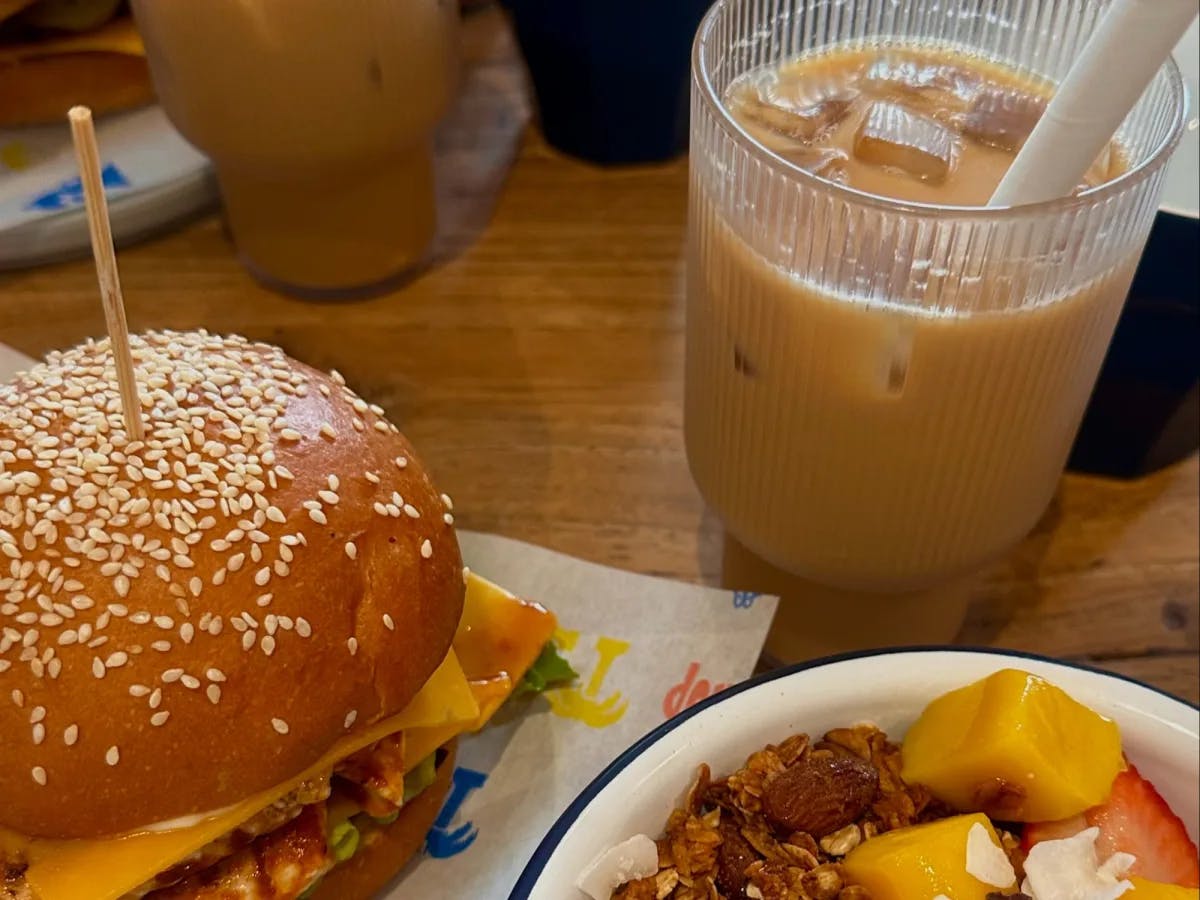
(549, 670)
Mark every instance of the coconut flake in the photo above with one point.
(1068, 869)
(986, 861)
(629, 860)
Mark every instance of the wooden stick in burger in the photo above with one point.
(83, 133)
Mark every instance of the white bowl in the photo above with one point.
(637, 792)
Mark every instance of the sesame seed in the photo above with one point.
(267, 645)
(170, 676)
(112, 756)
(262, 576)
(138, 690)
(280, 726)
(160, 718)
(448, 518)
(213, 693)
(39, 733)
(328, 431)
(191, 682)
(98, 669)
(350, 717)
(248, 639)
(264, 599)
(411, 511)
(401, 462)
(303, 628)
(71, 735)
(426, 549)
(39, 775)
(352, 645)
(351, 550)
(449, 504)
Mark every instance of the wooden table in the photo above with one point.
(538, 364)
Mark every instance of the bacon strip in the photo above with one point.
(374, 776)
(277, 866)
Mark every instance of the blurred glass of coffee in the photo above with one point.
(318, 118)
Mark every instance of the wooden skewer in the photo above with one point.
(83, 133)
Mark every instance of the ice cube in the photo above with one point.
(941, 88)
(891, 135)
(827, 162)
(1002, 116)
(801, 123)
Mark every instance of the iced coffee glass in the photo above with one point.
(881, 394)
(318, 118)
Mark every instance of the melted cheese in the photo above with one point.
(118, 36)
(456, 699)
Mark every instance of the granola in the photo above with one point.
(733, 839)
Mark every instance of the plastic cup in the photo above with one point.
(881, 396)
(319, 123)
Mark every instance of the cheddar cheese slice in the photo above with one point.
(106, 869)
(498, 639)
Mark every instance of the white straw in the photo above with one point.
(1120, 58)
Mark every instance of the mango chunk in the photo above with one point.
(1155, 890)
(1015, 747)
(923, 861)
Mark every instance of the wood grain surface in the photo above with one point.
(538, 364)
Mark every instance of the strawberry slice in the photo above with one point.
(1134, 819)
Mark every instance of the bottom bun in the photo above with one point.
(383, 850)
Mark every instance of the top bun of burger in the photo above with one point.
(188, 620)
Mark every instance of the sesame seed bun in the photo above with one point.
(195, 618)
(383, 850)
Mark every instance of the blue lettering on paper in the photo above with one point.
(442, 841)
(744, 599)
(70, 192)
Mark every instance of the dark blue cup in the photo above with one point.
(611, 76)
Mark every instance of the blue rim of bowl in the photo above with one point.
(545, 850)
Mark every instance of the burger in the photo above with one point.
(55, 54)
(235, 654)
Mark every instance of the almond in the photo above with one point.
(820, 794)
(733, 857)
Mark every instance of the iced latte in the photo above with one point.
(883, 378)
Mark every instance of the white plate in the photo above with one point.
(152, 179)
(637, 792)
